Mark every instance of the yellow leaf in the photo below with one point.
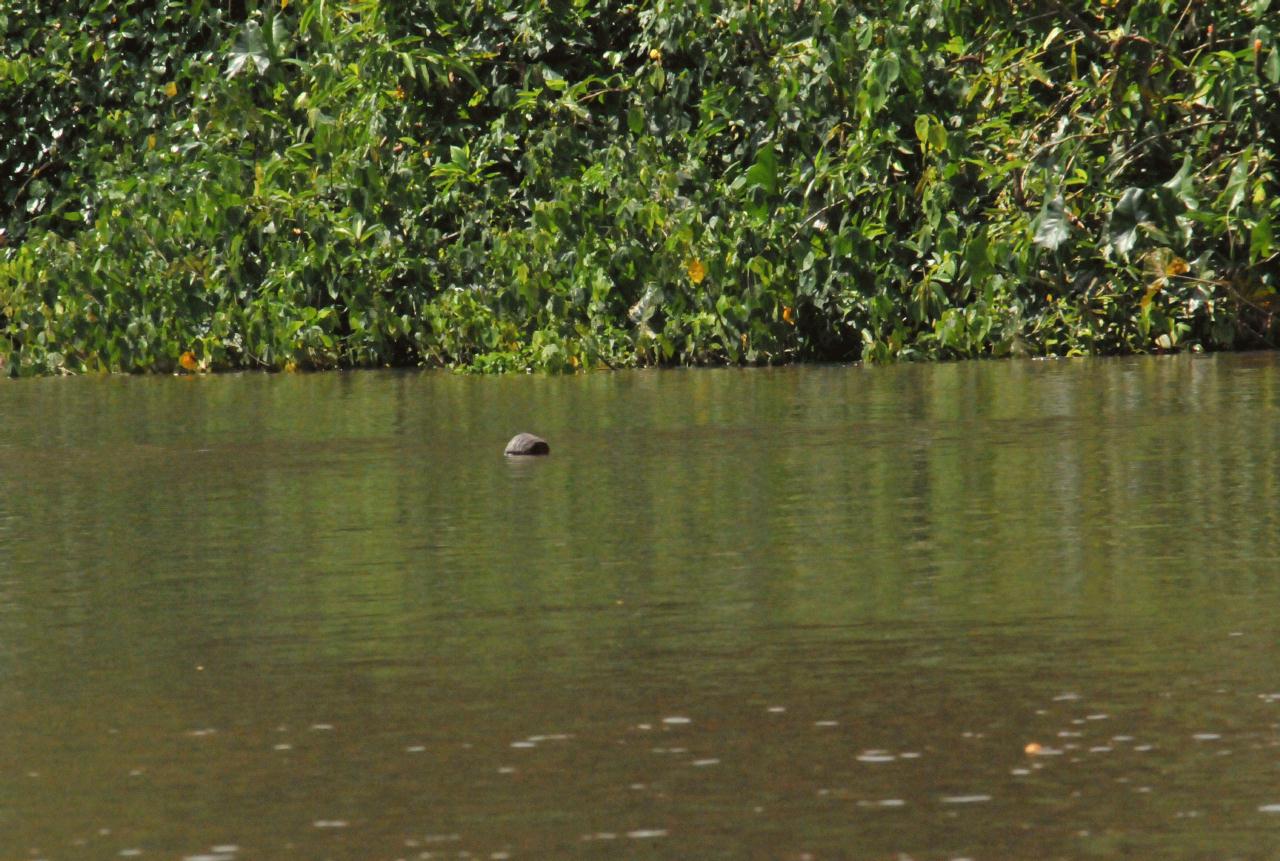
(696, 270)
(1152, 289)
(1177, 266)
(188, 361)
(284, 4)
(788, 316)
(151, 141)
(171, 89)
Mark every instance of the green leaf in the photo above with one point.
(1183, 184)
(1130, 213)
(1238, 183)
(1051, 225)
(250, 47)
(764, 173)
(886, 71)
(1260, 240)
(922, 128)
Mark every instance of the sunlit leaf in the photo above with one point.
(1129, 214)
(1051, 225)
(250, 48)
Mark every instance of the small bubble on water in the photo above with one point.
(1206, 736)
(676, 720)
(883, 802)
(523, 744)
(330, 823)
(282, 747)
(1066, 697)
(129, 853)
(599, 835)
(777, 710)
(702, 763)
(506, 769)
(322, 727)
(644, 726)
(225, 848)
(909, 754)
(826, 723)
(1269, 808)
(1099, 716)
(876, 756)
(965, 799)
(647, 833)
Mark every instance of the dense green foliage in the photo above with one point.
(560, 183)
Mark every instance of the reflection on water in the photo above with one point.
(982, 610)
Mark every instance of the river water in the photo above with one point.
(980, 610)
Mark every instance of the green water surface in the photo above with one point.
(807, 613)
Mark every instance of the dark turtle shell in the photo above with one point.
(527, 444)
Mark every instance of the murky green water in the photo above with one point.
(801, 613)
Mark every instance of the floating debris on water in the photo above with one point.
(647, 833)
(965, 799)
(676, 720)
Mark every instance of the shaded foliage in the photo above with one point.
(560, 183)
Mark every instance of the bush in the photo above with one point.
(561, 184)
